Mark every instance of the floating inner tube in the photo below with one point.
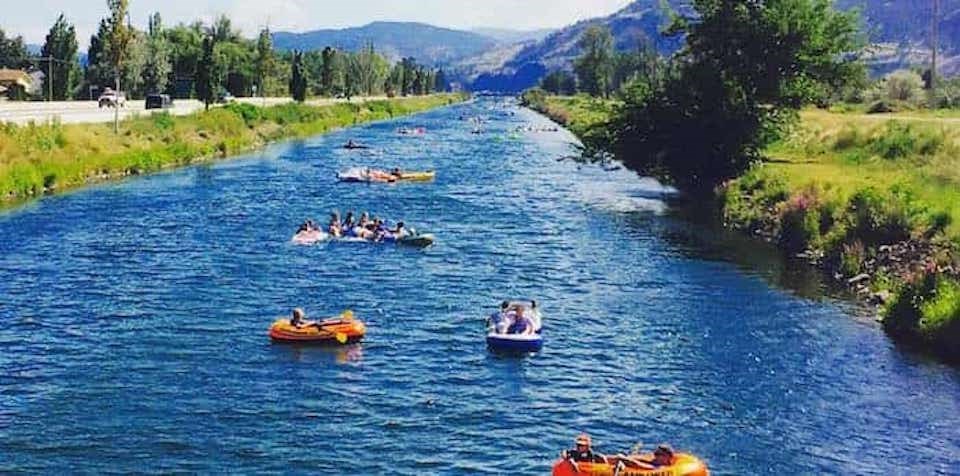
(338, 330)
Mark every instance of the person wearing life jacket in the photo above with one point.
(521, 324)
(582, 452)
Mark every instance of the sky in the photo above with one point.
(33, 18)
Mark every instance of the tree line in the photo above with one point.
(204, 61)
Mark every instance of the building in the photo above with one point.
(17, 84)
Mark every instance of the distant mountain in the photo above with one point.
(899, 31)
(34, 49)
(428, 44)
(641, 21)
(506, 36)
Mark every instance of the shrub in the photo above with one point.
(941, 311)
(163, 121)
(903, 313)
(251, 114)
(901, 85)
(800, 221)
(877, 218)
(852, 258)
(901, 140)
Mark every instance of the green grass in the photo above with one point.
(578, 113)
(914, 162)
(38, 159)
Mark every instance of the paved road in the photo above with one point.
(72, 112)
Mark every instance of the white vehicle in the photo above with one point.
(111, 98)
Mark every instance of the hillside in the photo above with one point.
(507, 36)
(428, 44)
(898, 30)
(641, 21)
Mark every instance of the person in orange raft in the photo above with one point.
(583, 452)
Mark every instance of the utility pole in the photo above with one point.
(935, 43)
(49, 78)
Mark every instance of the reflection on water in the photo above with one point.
(327, 353)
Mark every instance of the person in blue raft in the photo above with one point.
(521, 324)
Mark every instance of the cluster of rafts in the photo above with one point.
(516, 328)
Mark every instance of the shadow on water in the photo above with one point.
(696, 231)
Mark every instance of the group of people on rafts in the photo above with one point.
(365, 227)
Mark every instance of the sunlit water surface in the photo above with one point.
(133, 323)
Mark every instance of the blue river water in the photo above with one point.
(133, 321)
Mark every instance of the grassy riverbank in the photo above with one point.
(872, 199)
(41, 159)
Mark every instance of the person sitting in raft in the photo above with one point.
(521, 324)
(399, 231)
(498, 320)
(298, 319)
(396, 172)
(583, 452)
(662, 457)
(334, 226)
(348, 223)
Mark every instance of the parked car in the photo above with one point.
(158, 101)
(225, 97)
(111, 98)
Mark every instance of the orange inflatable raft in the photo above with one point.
(343, 329)
(633, 465)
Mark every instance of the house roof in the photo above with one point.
(15, 76)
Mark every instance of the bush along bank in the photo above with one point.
(43, 159)
(870, 205)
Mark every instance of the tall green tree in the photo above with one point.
(747, 68)
(298, 78)
(368, 70)
(13, 52)
(99, 72)
(186, 47)
(595, 67)
(328, 76)
(222, 30)
(266, 60)
(118, 50)
(158, 64)
(60, 57)
(207, 82)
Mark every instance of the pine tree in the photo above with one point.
(206, 83)
(298, 78)
(60, 58)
